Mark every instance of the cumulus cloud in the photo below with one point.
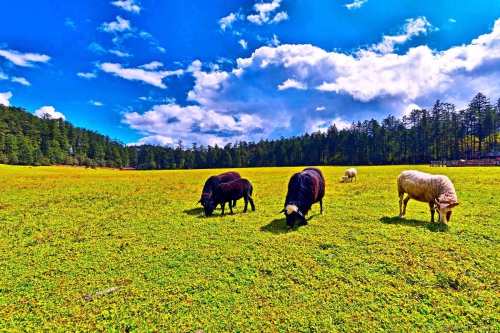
(344, 87)
(70, 23)
(270, 42)
(292, 83)
(119, 26)
(4, 98)
(50, 111)
(21, 80)
(152, 65)
(128, 5)
(206, 125)
(87, 75)
(243, 44)
(264, 13)
(227, 22)
(413, 27)
(157, 140)
(24, 59)
(151, 77)
(356, 4)
(96, 48)
(120, 53)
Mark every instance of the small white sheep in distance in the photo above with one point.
(437, 190)
(349, 174)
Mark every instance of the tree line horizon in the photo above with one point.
(441, 132)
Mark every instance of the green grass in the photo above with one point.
(66, 233)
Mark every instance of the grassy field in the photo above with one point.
(140, 238)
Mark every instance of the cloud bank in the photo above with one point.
(292, 89)
(50, 111)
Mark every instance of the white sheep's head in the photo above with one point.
(344, 179)
(444, 209)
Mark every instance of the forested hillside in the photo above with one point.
(423, 135)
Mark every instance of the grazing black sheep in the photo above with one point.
(229, 192)
(213, 182)
(304, 189)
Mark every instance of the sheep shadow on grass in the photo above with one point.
(434, 227)
(278, 226)
(195, 211)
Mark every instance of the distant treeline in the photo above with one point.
(423, 135)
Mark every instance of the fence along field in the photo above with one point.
(88, 250)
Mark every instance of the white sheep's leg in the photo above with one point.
(401, 195)
(431, 206)
(405, 202)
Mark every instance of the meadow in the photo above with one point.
(160, 265)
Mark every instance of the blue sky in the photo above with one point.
(220, 71)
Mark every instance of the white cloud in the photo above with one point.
(96, 48)
(128, 5)
(70, 23)
(3, 76)
(281, 16)
(95, 103)
(161, 49)
(151, 77)
(26, 59)
(120, 53)
(264, 11)
(452, 20)
(350, 87)
(227, 22)
(159, 140)
(152, 65)
(292, 83)
(49, 110)
(356, 4)
(413, 27)
(175, 122)
(243, 44)
(119, 26)
(87, 75)
(21, 80)
(270, 42)
(4, 98)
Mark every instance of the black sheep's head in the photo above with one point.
(209, 207)
(292, 212)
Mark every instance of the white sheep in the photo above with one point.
(349, 174)
(436, 190)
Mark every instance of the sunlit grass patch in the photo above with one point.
(67, 233)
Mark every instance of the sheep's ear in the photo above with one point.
(282, 211)
(437, 201)
(453, 204)
(198, 201)
(300, 213)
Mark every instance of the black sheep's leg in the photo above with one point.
(302, 221)
(234, 203)
(230, 206)
(222, 205)
(246, 203)
(321, 206)
(251, 203)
